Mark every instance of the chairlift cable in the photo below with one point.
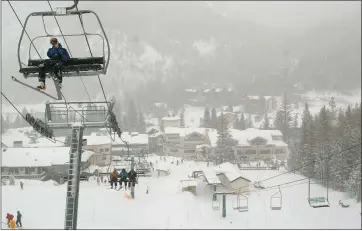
(70, 53)
(99, 79)
(294, 169)
(24, 29)
(306, 178)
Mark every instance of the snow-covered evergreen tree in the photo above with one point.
(207, 118)
(242, 125)
(266, 125)
(141, 124)
(213, 118)
(182, 119)
(132, 117)
(283, 118)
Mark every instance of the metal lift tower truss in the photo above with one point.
(88, 114)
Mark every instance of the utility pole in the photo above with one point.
(132, 169)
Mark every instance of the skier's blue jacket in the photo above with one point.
(123, 175)
(59, 53)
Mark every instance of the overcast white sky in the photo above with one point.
(270, 13)
(290, 13)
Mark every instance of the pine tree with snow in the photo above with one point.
(236, 124)
(305, 157)
(266, 125)
(125, 126)
(283, 118)
(242, 125)
(224, 139)
(207, 118)
(141, 123)
(230, 108)
(182, 119)
(132, 117)
(213, 118)
(249, 122)
(333, 106)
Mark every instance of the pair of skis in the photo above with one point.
(56, 83)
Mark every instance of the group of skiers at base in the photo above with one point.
(131, 175)
(11, 222)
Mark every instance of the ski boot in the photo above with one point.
(41, 86)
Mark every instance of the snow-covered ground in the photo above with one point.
(166, 207)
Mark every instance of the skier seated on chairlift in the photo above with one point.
(114, 178)
(123, 178)
(57, 56)
(132, 176)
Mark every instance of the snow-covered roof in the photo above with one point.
(97, 138)
(231, 171)
(190, 90)
(218, 89)
(243, 136)
(20, 134)
(187, 183)
(210, 176)
(225, 113)
(38, 157)
(169, 118)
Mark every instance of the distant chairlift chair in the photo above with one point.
(242, 203)
(276, 200)
(215, 204)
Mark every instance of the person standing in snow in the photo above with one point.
(9, 218)
(18, 219)
(21, 185)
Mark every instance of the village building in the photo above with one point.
(35, 161)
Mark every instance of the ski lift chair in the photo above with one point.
(215, 204)
(276, 200)
(89, 66)
(241, 204)
(318, 202)
(343, 205)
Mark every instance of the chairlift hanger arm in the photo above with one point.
(33, 88)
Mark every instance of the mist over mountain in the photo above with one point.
(159, 48)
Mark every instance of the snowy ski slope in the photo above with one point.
(166, 207)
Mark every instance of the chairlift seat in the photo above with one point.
(215, 205)
(71, 61)
(318, 202)
(72, 67)
(276, 208)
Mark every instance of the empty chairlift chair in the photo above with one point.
(276, 200)
(215, 203)
(241, 203)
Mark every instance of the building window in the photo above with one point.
(239, 152)
(106, 149)
(189, 151)
(17, 170)
(11, 170)
(264, 151)
(279, 150)
(174, 150)
(104, 158)
(32, 169)
(38, 170)
(101, 150)
(250, 151)
(26, 170)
